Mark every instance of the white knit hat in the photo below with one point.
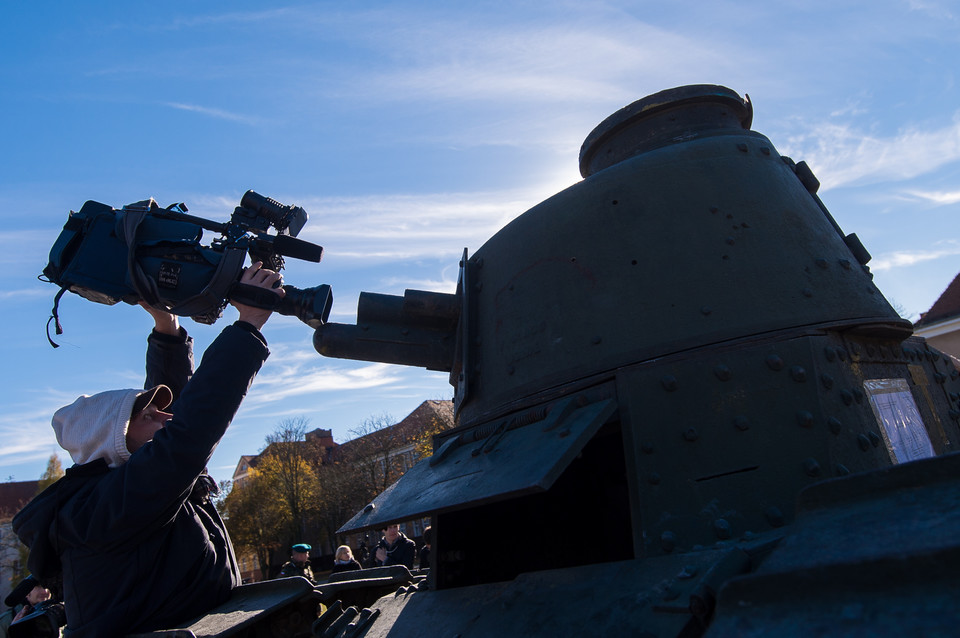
(94, 427)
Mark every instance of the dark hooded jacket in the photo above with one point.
(140, 546)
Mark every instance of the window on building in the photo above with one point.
(902, 426)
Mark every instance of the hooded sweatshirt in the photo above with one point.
(139, 543)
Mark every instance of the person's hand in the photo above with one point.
(257, 275)
(164, 322)
(381, 554)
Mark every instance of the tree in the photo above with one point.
(288, 466)
(253, 517)
(52, 474)
(372, 454)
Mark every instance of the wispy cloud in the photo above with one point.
(937, 198)
(843, 154)
(215, 113)
(900, 259)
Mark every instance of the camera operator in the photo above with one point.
(134, 511)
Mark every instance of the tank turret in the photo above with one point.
(669, 379)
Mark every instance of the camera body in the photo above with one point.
(155, 254)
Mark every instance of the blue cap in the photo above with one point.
(301, 547)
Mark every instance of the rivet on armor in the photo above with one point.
(935, 355)
(874, 438)
(721, 528)
(691, 434)
(954, 414)
(669, 382)
(731, 241)
(846, 396)
(821, 263)
(714, 210)
(741, 423)
(870, 351)
(668, 541)
(765, 150)
(953, 396)
(830, 353)
(858, 395)
(804, 419)
(774, 516)
(954, 374)
(827, 381)
(742, 147)
(806, 292)
(842, 470)
(596, 340)
(706, 310)
(863, 442)
(811, 467)
(841, 354)
(653, 478)
(774, 362)
(722, 372)
(939, 377)
(798, 374)
(845, 264)
(834, 425)
(511, 370)
(688, 572)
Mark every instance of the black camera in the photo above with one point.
(142, 251)
(44, 621)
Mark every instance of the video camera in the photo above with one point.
(142, 251)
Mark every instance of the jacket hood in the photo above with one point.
(94, 427)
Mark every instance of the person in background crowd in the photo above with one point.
(425, 550)
(343, 560)
(22, 601)
(299, 563)
(394, 548)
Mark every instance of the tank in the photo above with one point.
(683, 409)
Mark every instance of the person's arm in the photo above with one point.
(160, 475)
(169, 352)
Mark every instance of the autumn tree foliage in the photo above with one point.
(301, 491)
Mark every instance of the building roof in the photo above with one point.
(416, 422)
(947, 305)
(425, 415)
(15, 494)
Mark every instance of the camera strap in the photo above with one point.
(55, 317)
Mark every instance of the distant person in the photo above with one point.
(299, 563)
(343, 560)
(22, 601)
(131, 526)
(394, 549)
(425, 550)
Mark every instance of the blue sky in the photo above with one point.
(410, 131)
